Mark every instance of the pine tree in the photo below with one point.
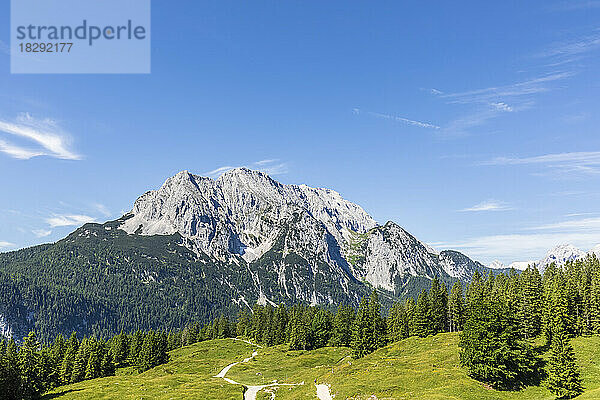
(397, 322)
(11, 388)
(93, 368)
(321, 328)
(421, 317)
(563, 374)
(66, 367)
(595, 298)
(529, 311)
(377, 322)
(489, 343)
(29, 364)
(280, 324)
(342, 326)
(438, 307)
(298, 330)
(244, 324)
(410, 307)
(456, 308)
(81, 361)
(369, 330)
(120, 348)
(362, 333)
(107, 364)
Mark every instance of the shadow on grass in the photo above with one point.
(59, 394)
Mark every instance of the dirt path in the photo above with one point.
(252, 391)
(323, 392)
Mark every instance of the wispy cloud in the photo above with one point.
(433, 91)
(396, 118)
(102, 209)
(6, 244)
(496, 94)
(579, 225)
(534, 242)
(585, 162)
(574, 47)
(579, 214)
(46, 134)
(40, 233)
(271, 167)
(494, 101)
(509, 248)
(488, 205)
(69, 220)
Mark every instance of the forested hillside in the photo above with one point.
(506, 323)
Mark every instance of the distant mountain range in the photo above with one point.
(559, 255)
(197, 247)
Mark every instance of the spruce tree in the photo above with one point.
(29, 364)
(11, 387)
(529, 310)
(362, 332)
(490, 346)
(81, 361)
(298, 330)
(438, 307)
(321, 328)
(456, 308)
(243, 326)
(397, 323)
(93, 368)
(563, 374)
(422, 316)
(377, 322)
(120, 348)
(342, 326)
(410, 307)
(66, 367)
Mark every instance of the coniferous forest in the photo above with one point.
(505, 322)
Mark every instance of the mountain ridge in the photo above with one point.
(197, 247)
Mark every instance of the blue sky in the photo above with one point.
(471, 124)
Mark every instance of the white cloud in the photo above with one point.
(47, 135)
(572, 48)
(515, 90)
(585, 162)
(5, 244)
(40, 233)
(269, 166)
(582, 233)
(488, 205)
(265, 162)
(397, 118)
(69, 220)
(502, 106)
(17, 152)
(578, 225)
(518, 247)
(102, 209)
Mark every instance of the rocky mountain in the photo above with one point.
(559, 255)
(197, 247)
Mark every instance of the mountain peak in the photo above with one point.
(240, 213)
(560, 255)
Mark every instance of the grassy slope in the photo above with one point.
(429, 369)
(188, 375)
(411, 369)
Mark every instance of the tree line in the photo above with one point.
(506, 314)
(498, 317)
